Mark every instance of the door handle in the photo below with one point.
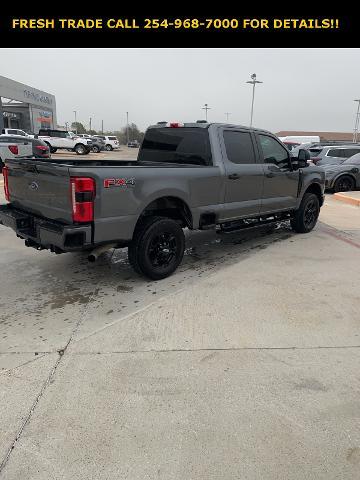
(234, 176)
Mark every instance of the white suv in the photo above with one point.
(16, 132)
(110, 142)
(60, 139)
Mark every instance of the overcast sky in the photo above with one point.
(302, 89)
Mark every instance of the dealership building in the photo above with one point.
(25, 107)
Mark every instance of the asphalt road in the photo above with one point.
(243, 364)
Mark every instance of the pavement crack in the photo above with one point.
(30, 413)
(61, 352)
(230, 349)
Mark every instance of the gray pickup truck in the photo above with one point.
(194, 175)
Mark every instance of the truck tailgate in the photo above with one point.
(40, 188)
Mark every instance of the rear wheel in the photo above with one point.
(306, 216)
(95, 149)
(157, 247)
(80, 149)
(345, 183)
(108, 147)
(52, 149)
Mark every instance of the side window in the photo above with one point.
(349, 152)
(12, 132)
(239, 147)
(334, 152)
(273, 152)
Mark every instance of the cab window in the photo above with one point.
(239, 147)
(273, 152)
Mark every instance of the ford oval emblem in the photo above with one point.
(33, 186)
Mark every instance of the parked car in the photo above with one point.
(110, 142)
(15, 131)
(60, 139)
(201, 176)
(344, 177)
(40, 148)
(98, 144)
(332, 155)
(14, 147)
(133, 144)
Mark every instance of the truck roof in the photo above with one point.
(204, 124)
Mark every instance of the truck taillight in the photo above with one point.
(82, 198)
(174, 124)
(5, 172)
(14, 149)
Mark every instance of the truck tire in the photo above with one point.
(306, 216)
(52, 149)
(108, 147)
(80, 149)
(157, 247)
(345, 183)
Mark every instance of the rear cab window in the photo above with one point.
(184, 145)
(112, 138)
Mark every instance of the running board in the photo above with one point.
(240, 226)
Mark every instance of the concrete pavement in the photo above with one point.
(244, 364)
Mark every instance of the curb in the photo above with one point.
(347, 199)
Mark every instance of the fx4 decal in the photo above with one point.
(119, 182)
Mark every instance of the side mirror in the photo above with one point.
(303, 157)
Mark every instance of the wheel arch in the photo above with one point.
(343, 174)
(170, 207)
(315, 188)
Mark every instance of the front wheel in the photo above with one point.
(157, 247)
(80, 149)
(95, 149)
(345, 183)
(306, 216)
(108, 147)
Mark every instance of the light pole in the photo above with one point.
(127, 128)
(66, 125)
(357, 118)
(253, 82)
(75, 122)
(90, 125)
(206, 108)
(102, 127)
(227, 116)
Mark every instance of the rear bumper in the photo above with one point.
(46, 234)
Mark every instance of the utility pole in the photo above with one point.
(90, 125)
(227, 116)
(206, 108)
(357, 119)
(127, 128)
(102, 127)
(75, 122)
(253, 82)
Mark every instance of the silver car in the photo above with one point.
(332, 154)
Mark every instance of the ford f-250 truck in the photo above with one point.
(194, 175)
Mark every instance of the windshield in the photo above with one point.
(184, 145)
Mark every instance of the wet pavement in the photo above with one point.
(243, 364)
